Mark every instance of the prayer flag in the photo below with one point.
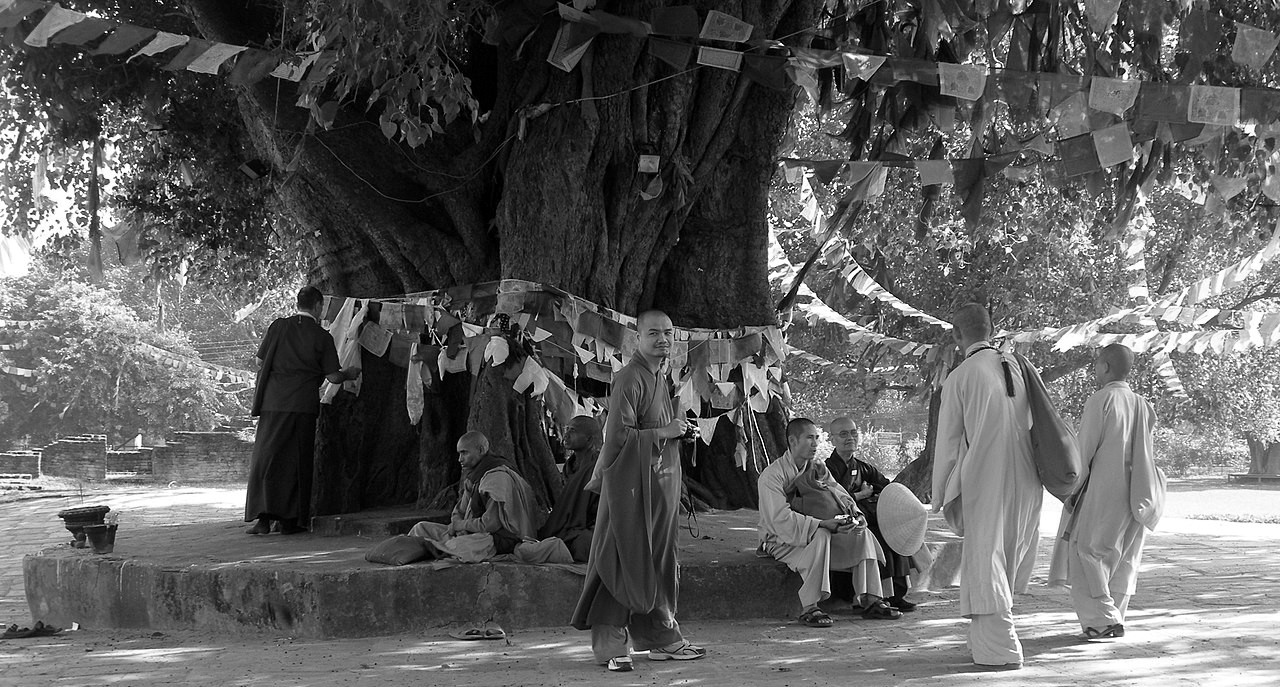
(87, 30)
(571, 42)
(673, 53)
(162, 42)
(124, 37)
(1113, 145)
(1214, 105)
(679, 21)
(935, 172)
(1113, 95)
(965, 81)
(862, 66)
(212, 59)
(724, 27)
(1253, 46)
(55, 20)
(730, 60)
(1079, 156)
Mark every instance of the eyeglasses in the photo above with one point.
(848, 433)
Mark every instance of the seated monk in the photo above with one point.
(574, 516)
(813, 547)
(492, 499)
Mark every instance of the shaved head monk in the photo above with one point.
(1103, 527)
(573, 519)
(629, 595)
(986, 485)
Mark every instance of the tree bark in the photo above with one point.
(1264, 457)
(553, 199)
(918, 474)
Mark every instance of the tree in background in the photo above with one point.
(99, 369)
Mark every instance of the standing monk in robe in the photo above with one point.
(864, 482)
(985, 483)
(574, 517)
(295, 356)
(631, 586)
(1099, 546)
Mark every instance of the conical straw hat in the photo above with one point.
(903, 519)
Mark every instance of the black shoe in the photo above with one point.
(901, 604)
(262, 527)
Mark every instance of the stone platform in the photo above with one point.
(212, 576)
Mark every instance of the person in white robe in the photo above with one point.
(1100, 539)
(985, 484)
(814, 547)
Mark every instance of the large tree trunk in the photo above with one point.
(918, 474)
(1264, 457)
(553, 199)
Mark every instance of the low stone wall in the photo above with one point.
(202, 457)
(191, 457)
(80, 457)
(24, 462)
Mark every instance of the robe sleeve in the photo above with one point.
(776, 516)
(874, 477)
(1097, 416)
(507, 508)
(624, 420)
(950, 446)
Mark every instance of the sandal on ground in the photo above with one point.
(619, 664)
(880, 611)
(681, 652)
(1108, 632)
(816, 618)
(474, 633)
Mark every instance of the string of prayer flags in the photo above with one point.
(163, 41)
(1253, 46)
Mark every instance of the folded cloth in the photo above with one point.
(549, 550)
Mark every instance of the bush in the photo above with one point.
(1204, 452)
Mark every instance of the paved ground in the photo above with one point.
(1207, 613)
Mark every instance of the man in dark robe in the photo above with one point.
(295, 356)
(629, 595)
(574, 517)
(493, 499)
(865, 482)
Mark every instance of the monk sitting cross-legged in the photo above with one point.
(574, 517)
(492, 499)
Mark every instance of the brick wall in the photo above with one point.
(190, 457)
(81, 457)
(202, 457)
(24, 462)
(136, 461)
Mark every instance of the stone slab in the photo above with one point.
(212, 575)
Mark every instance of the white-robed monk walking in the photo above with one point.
(985, 483)
(1100, 539)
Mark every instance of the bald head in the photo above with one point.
(844, 435)
(1113, 364)
(583, 432)
(973, 322)
(657, 335)
(472, 446)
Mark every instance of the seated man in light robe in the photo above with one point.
(1103, 529)
(493, 499)
(814, 547)
(574, 517)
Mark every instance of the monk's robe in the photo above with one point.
(493, 498)
(631, 583)
(1099, 546)
(296, 355)
(796, 539)
(986, 485)
(574, 517)
(852, 474)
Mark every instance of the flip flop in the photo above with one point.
(619, 664)
(474, 633)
